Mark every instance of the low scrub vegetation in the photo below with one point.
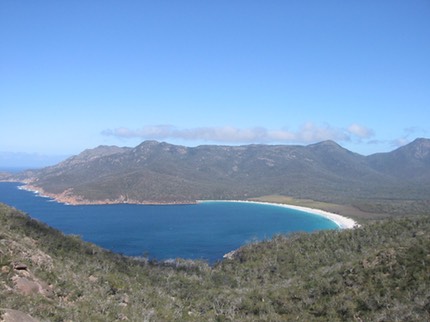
(379, 272)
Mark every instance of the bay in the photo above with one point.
(206, 230)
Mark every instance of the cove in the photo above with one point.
(207, 230)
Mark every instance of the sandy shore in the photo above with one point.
(342, 221)
(67, 198)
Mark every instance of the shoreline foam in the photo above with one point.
(341, 221)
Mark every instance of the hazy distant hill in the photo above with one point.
(410, 162)
(162, 172)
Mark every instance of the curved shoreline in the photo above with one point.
(342, 221)
(68, 198)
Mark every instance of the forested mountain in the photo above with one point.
(162, 172)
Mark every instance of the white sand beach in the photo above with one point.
(342, 221)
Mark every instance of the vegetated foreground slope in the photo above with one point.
(379, 272)
(161, 172)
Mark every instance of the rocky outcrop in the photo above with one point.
(31, 285)
(8, 315)
(17, 274)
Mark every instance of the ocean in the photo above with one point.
(206, 230)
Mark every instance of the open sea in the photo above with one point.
(205, 231)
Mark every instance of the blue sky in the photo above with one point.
(78, 74)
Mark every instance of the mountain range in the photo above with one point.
(158, 172)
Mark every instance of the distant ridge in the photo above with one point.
(409, 162)
(160, 172)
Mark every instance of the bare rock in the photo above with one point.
(29, 287)
(41, 260)
(8, 315)
(20, 266)
(93, 279)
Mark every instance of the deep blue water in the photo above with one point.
(203, 231)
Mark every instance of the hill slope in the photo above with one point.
(410, 162)
(161, 172)
(378, 272)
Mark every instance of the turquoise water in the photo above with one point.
(203, 231)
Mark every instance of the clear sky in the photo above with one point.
(78, 74)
